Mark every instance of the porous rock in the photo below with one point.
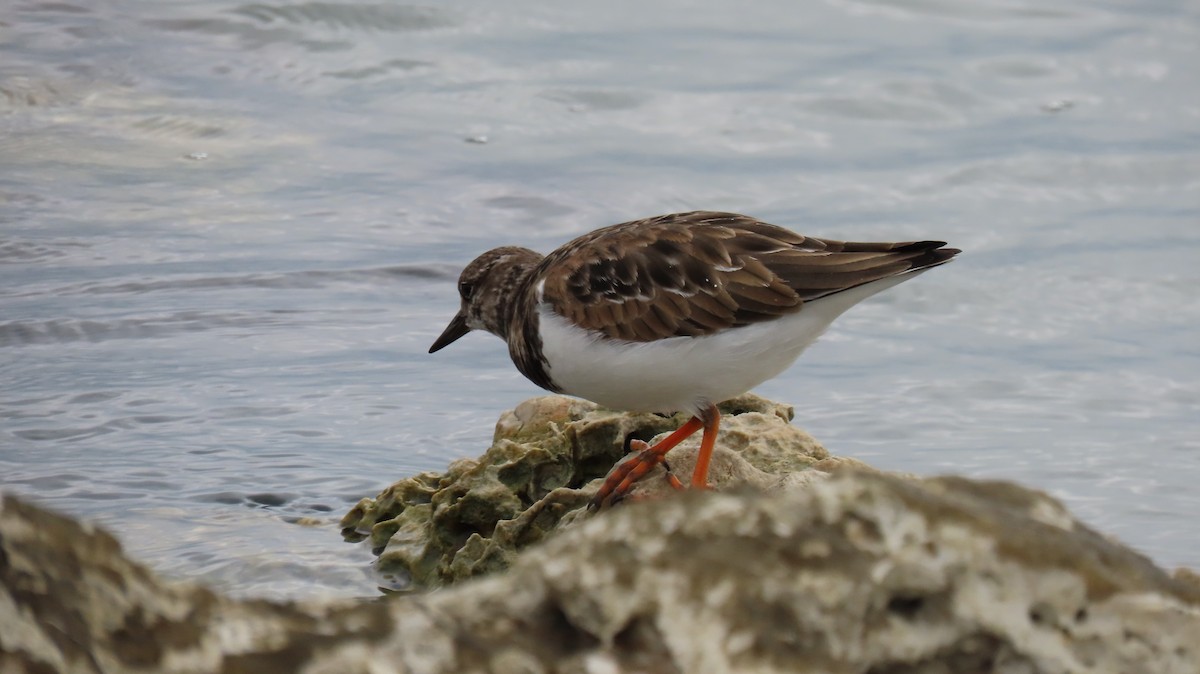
(859, 573)
(542, 470)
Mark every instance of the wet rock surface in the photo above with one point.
(862, 572)
(795, 562)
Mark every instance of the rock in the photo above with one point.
(540, 473)
(860, 572)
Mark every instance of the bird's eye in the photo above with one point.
(465, 289)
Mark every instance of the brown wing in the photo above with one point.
(696, 273)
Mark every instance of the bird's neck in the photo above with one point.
(508, 292)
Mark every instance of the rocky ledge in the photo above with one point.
(776, 571)
(541, 471)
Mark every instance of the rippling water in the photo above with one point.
(229, 232)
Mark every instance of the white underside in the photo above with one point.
(686, 373)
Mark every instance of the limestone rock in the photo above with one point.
(862, 572)
(541, 472)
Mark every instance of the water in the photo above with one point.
(229, 232)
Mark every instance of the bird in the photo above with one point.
(674, 313)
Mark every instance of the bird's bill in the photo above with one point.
(457, 328)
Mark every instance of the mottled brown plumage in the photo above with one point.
(701, 272)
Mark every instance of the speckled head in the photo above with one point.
(489, 288)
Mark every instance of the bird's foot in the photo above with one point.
(672, 480)
(641, 459)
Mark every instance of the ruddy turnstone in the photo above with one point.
(673, 313)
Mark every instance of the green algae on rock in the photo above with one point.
(434, 529)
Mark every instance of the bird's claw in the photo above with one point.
(641, 459)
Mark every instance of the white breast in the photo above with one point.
(686, 373)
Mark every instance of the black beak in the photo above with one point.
(457, 328)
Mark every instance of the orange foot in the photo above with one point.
(643, 458)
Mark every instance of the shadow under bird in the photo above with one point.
(674, 313)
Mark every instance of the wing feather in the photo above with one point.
(697, 273)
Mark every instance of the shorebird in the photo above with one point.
(674, 313)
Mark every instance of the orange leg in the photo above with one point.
(634, 467)
(712, 422)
